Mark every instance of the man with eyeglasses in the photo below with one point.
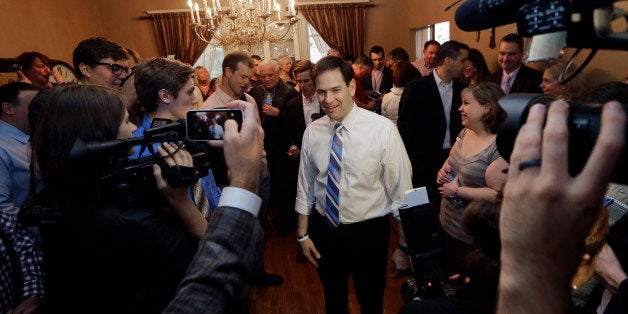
(98, 61)
(101, 61)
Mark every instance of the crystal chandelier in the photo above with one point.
(243, 23)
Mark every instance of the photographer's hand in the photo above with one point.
(179, 198)
(546, 213)
(243, 150)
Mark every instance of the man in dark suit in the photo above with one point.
(429, 120)
(300, 112)
(222, 265)
(514, 77)
(381, 79)
(271, 98)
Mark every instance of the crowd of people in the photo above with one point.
(332, 146)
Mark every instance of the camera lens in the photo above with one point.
(583, 123)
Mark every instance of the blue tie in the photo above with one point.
(333, 179)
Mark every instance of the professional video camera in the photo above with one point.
(123, 167)
(553, 25)
(130, 181)
(428, 279)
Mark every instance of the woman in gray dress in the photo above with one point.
(473, 170)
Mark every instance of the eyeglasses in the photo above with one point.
(116, 69)
(127, 77)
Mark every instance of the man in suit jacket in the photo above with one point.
(429, 120)
(272, 111)
(381, 78)
(300, 112)
(514, 77)
(222, 265)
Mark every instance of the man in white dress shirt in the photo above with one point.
(371, 171)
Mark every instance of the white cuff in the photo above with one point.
(241, 199)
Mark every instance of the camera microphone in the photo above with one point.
(477, 15)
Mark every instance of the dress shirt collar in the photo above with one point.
(12, 131)
(512, 74)
(349, 122)
(223, 97)
(440, 80)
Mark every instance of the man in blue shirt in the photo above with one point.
(21, 275)
(165, 88)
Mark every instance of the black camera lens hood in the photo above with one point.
(516, 107)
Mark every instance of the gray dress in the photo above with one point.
(471, 172)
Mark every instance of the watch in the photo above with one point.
(66, 70)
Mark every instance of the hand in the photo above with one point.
(310, 252)
(270, 111)
(182, 158)
(27, 306)
(243, 150)
(57, 76)
(294, 152)
(608, 270)
(448, 190)
(539, 256)
(443, 175)
(399, 264)
(21, 77)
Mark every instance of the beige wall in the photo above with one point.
(55, 27)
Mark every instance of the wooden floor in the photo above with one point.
(301, 291)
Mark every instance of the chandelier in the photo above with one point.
(243, 23)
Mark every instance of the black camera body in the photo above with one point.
(583, 123)
(425, 250)
(127, 181)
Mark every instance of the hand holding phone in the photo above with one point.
(205, 125)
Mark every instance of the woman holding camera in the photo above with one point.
(121, 244)
(473, 170)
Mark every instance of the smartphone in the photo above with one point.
(9, 65)
(204, 125)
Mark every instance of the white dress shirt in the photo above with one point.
(375, 172)
(446, 91)
(310, 107)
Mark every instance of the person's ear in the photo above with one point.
(164, 96)
(8, 109)
(352, 88)
(85, 69)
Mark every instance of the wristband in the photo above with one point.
(303, 237)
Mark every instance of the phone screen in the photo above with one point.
(204, 125)
(9, 65)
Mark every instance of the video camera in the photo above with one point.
(586, 24)
(128, 181)
(123, 167)
(553, 25)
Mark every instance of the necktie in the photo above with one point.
(200, 198)
(333, 179)
(506, 83)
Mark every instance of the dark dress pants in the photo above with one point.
(358, 249)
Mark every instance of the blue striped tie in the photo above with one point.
(333, 179)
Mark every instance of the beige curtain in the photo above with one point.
(340, 25)
(175, 36)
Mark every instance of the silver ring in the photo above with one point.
(529, 163)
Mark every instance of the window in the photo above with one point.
(318, 47)
(438, 31)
